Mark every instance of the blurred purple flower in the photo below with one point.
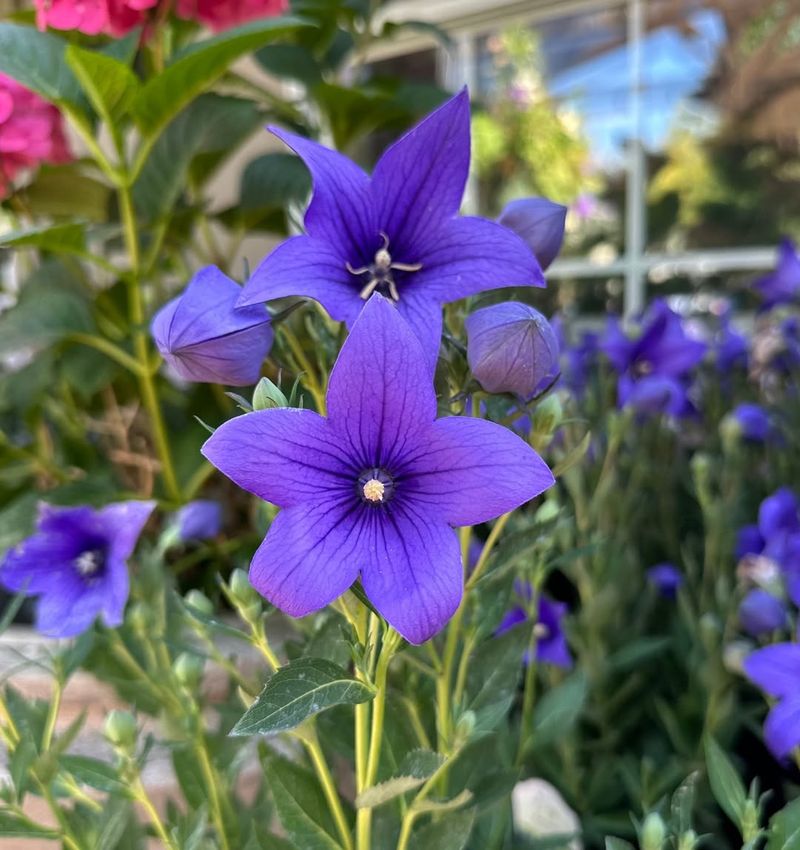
(782, 285)
(579, 360)
(666, 578)
(730, 347)
(753, 421)
(776, 670)
(205, 338)
(511, 348)
(540, 223)
(749, 541)
(654, 394)
(75, 563)
(375, 489)
(199, 520)
(397, 233)
(551, 644)
(761, 612)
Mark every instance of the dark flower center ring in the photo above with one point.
(375, 486)
(380, 272)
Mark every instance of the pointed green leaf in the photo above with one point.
(784, 828)
(413, 771)
(109, 84)
(62, 238)
(450, 832)
(166, 94)
(12, 826)
(94, 773)
(559, 709)
(726, 786)
(300, 690)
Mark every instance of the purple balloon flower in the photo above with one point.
(730, 347)
(753, 421)
(781, 286)
(511, 348)
(375, 489)
(206, 338)
(199, 520)
(540, 223)
(666, 578)
(761, 612)
(75, 564)
(551, 644)
(776, 670)
(397, 233)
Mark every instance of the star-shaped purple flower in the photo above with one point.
(396, 233)
(782, 285)
(551, 643)
(375, 489)
(76, 564)
(776, 670)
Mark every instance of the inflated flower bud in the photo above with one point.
(245, 596)
(761, 613)
(206, 338)
(654, 832)
(199, 601)
(199, 520)
(688, 841)
(540, 223)
(188, 669)
(120, 729)
(511, 348)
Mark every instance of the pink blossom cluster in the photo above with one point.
(31, 132)
(117, 17)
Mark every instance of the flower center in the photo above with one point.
(380, 272)
(89, 563)
(540, 631)
(375, 486)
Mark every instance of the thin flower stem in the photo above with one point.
(213, 791)
(66, 833)
(411, 813)
(312, 384)
(141, 796)
(136, 315)
(528, 701)
(52, 714)
(109, 349)
(483, 560)
(317, 756)
(261, 643)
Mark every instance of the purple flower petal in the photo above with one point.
(411, 570)
(775, 669)
(284, 456)
(468, 471)
(32, 566)
(782, 726)
(306, 266)
(64, 612)
(200, 519)
(540, 222)
(341, 211)
(778, 513)
(310, 556)
(419, 181)
(782, 285)
(123, 523)
(380, 394)
(470, 255)
(424, 317)
(511, 618)
(760, 612)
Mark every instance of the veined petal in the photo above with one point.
(38, 562)
(380, 393)
(310, 555)
(470, 255)
(782, 726)
(306, 266)
(424, 316)
(284, 456)
(340, 211)
(468, 471)
(411, 569)
(419, 181)
(69, 609)
(775, 669)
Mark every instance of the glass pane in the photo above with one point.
(554, 122)
(721, 107)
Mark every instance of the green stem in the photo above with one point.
(141, 796)
(317, 756)
(212, 783)
(136, 311)
(413, 811)
(108, 348)
(52, 714)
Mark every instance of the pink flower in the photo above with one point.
(114, 17)
(31, 132)
(221, 14)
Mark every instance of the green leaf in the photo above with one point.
(784, 828)
(27, 325)
(66, 191)
(61, 238)
(301, 805)
(211, 123)
(165, 95)
(109, 84)
(613, 843)
(450, 832)
(94, 773)
(115, 820)
(274, 180)
(493, 676)
(290, 61)
(414, 770)
(36, 59)
(12, 826)
(297, 691)
(726, 786)
(559, 709)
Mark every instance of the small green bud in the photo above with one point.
(730, 431)
(464, 728)
(547, 415)
(199, 601)
(268, 396)
(241, 589)
(188, 669)
(120, 729)
(750, 828)
(688, 841)
(547, 511)
(653, 832)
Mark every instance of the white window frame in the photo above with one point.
(464, 21)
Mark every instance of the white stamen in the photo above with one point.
(374, 490)
(87, 563)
